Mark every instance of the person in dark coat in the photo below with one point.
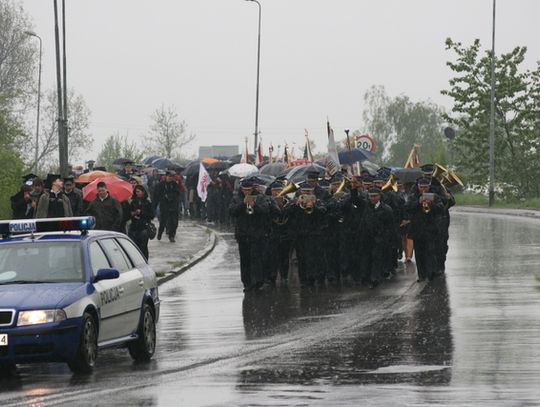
(307, 214)
(105, 209)
(252, 231)
(378, 232)
(167, 196)
(54, 203)
(141, 213)
(425, 210)
(74, 195)
(336, 259)
(21, 203)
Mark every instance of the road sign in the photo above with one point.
(366, 142)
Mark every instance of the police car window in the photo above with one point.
(116, 255)
(136, 257)
(41, 262)
(98, 260)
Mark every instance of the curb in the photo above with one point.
(519, 213)
(196, 258)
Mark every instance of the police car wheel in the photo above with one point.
(86, 356)
(142, 349)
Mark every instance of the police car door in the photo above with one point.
(132, 291)
(108, 294)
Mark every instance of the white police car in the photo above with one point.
(67, 291)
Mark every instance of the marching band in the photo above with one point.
(343, 230)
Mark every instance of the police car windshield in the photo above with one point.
(43, 262)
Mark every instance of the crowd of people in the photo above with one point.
(342, 230)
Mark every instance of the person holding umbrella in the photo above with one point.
(105, 209)
(141, 213)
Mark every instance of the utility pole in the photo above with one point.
(62, 134)
(492, 119)
(256, 133)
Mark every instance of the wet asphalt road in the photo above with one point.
(472, 338)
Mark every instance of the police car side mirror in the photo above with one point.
(106, 274)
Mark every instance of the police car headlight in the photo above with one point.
(35, 317)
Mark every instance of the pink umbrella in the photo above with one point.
(118, 188)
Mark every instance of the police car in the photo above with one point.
(67, 291)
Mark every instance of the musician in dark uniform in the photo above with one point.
(280, 241)
(378, 231)
(252, 211)
(448, 201)
(312, 178)
(306, 213)
(424, 210)
(336, 259)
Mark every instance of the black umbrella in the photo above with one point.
(219, 166)
(235, 159)
(148, 160)
(273, 168)
(261, 179)
(162, 163)
(299, 173)
(406, 175)
(354, 155)
(123, 161)
(192, 168)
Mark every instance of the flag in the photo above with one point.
(245, 154)
(413, 160)
(332, 163)
(307, 150)
(259, 157)
(204, 181)
(270, 153)
(287, 156)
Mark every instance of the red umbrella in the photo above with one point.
(118, 188)
(92, 175)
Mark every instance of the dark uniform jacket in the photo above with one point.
(256, 225)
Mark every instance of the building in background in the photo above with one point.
(222, 152)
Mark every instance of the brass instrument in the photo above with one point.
(451, 179)
(391, 183)
(290, 188)
(346, 183)
(249, 200)
(303, 203)
(427, 200)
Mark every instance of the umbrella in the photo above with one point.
(192, 168)
(148, 160)
(118, 188)
(238, 157)
(91, 176)
(273, 168)
(405, 175)
(219, 166)
(354, 155)
(299, 173)
(261, 179)
(209, 160)
(242, 170)
(123, 161)
(162, 163)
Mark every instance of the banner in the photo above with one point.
(204, 181)
(332, 162)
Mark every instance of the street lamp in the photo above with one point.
(258, 69)
(492, 119)
(33, 34)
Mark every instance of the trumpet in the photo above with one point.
(249, 200)
(391, 184)
(426, 207)
(303, 203)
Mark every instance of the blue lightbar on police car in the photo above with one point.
(16, 226)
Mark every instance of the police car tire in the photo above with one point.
(86, 356)
(142, 349)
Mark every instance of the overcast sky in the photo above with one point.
(318, 57)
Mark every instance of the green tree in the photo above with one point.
(117, 146)
(517, 116)
(398, 123)
(11, 165)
